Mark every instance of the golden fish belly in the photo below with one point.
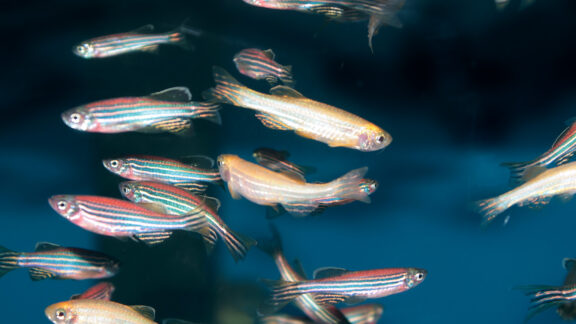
(558, 181)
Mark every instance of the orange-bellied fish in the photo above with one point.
(560, 152)
(258, 64)
(120, 218)
(51, 261)
(170, 110)
(266, 187)
(101, 291)
(377, 12)
(558, 181)
(287, 109)
(139, 40)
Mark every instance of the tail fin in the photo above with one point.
(543, 297)
(272, 246)
(349, 186)
(228, 90)
(208, 111)
(8, 260)
(490, 208)
(180, 35)
(283, 292)
(237, 244)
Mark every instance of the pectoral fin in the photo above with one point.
(145, 311)
(300, 209)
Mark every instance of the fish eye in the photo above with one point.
(114, 163)
(419, 276)
(81, 49)
(62, 205)
(60, 314)
(126, 189)
(380, 139)
(75, 117)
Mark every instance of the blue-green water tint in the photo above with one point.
(461, 89)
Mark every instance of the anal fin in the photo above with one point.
(37, 274)
(272, 122)
(174, 125)
(153, 238)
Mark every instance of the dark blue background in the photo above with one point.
(461, 89)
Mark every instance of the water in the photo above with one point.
(461, 89)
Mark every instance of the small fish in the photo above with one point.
(154, 168)
(178, 201)
(363, 314)
(266, 187)
(141, 39)
(563, 297)
(51, 261)
(101, 291)
(316, 312)
(377, 12)
(560, 153)
(258, 64)
(335, 285)
(170, 110)
(91, 311)
(120, 218)
(287, 109)
(558, 181)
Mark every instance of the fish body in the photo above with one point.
(258, 64)
(159, 169)
(286, 109)
(120, 218)
(363, 314)
(170, 110)
(560, 152)
(558, 181)
(101, 291)
(178, 201)
(51, 261)
(139, 40)
(266, 187)
(90, 311)
(335, 285)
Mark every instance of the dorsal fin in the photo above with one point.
(285, 91)
(297, 265)
(198, 161)
(144, 29)
(269, 54)
(145, 311)
(46, 246)
(176, 94)
(329, 272)
(568, 263)
(155, 207)
(212, 203)
(533, 172)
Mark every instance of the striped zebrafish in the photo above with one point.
(258, 64)
(120, 218)
(178, 201)
(560, 152)
(266, 187)
(170, 110)
(377, 12)
(363, 314)
(335, 285)
(141, 39)
(287, 109)
(316, 312)
(101, 291)
(154, 168)
(51, 261)
(563, 297)
(558, 181)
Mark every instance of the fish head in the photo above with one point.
(66, 206)
(78, 118)
(373, 139)
(86, 50)
(61, 313)
(368, 186)
(118, 166)
(414, 277)
(131, 190)
(224, 165)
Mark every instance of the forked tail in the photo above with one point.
(544, 297)
(237, 244)
(8, 260)
(208, 111)
(228, 90)
(490, 208)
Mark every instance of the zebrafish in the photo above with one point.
(178, 201)
(170, 110)
(377, 12)
(563, 297)
(120, 218)
(363, 314)
(317, 313)
(560, 153)
(51, 261)
(258, 64)
(287, 109)
(269, 188)
(141, 39)
(101, 291)
(191, 177)
(335, 285)
(558, 181)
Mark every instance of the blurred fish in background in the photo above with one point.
(503, 4)
(101, 291)
(260, 64)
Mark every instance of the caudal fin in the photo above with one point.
(349, 186)
(283, 292)
(8, 260)
(237, 244)
(544, 297)
(489, 209)
(273, 246)
(208, 111)
(228, 89)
